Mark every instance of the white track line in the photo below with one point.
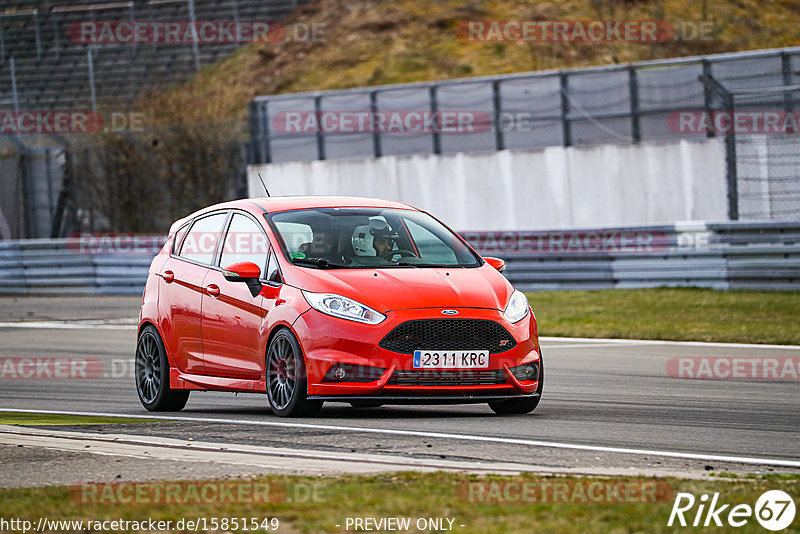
(440, 435)
(67, 325)
(592, 340)
(589, 345)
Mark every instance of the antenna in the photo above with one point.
(262, 183)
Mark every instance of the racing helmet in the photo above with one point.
(364, 235)
(380, 228)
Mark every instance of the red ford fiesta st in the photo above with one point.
(314, 299)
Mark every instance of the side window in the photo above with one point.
(430, 247)
(179, 235)
(202, 239)
(273, 270)
(245, 241)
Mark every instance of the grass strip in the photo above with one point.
(319, 504)
(675, 314)
(46, 419)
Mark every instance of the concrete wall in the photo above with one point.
(609, 185)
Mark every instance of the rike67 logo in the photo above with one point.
(774, 510)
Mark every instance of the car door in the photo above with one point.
(181, 290)
(232, 318)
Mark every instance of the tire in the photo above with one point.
(287, 387)
(366, 404)
(151, 372)
(522, 405)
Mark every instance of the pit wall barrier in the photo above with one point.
(556, 187)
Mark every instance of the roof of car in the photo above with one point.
(272, 204)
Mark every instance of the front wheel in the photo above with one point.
(522, 405)
(287, 386)
(151, 368)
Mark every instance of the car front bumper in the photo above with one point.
(329, 341)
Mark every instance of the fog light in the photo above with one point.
(528, 371)
(346, 372)
(531, 371)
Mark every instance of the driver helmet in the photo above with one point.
(380, 228)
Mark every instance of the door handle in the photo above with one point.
(213, 290)
(168, 276)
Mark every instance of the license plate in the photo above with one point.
(451, 359)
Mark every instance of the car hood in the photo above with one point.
(407, 288)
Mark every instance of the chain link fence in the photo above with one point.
(618, 104)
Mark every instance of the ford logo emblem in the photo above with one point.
(450, 312)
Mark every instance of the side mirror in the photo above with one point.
(245, 271)
(497, 263)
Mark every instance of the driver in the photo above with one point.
(322, 245)
(383, 238)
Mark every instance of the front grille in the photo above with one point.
(464, 377)
(448, 334)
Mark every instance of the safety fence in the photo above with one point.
(748, 98)
(47, 62)
(721, 256)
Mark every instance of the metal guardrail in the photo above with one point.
(49, 266)
(722, 256)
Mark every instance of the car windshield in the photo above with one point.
(354, 238)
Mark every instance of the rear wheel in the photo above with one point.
(151, 369)
(287, 386)
(522, 405)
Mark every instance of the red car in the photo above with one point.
(314, 299)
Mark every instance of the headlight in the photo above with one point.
(343, 307)
(517, 307)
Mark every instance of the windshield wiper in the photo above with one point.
(442, 265)
(322, 263)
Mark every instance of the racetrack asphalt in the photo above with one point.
(602, 398)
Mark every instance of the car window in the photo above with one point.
(201, 240)
(179, 235)
(244, 241)
(430, 247)
(273, 270)
(361, 237)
